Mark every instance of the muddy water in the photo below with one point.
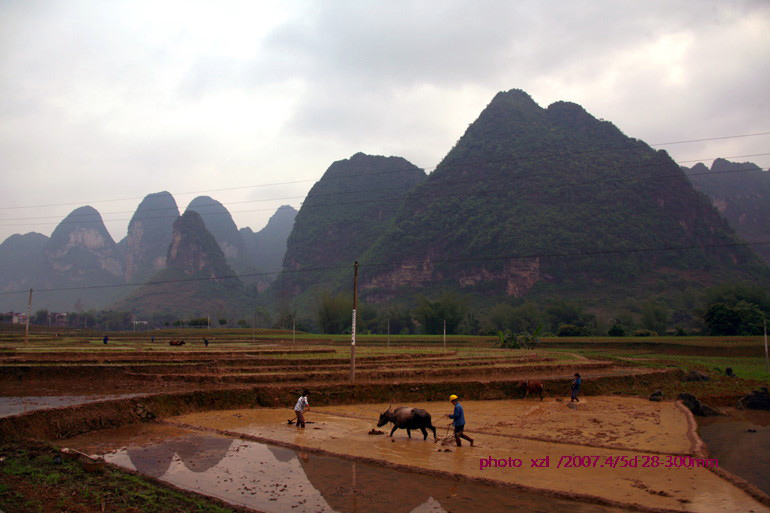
(741, 443)
(275, 479)
(16, 405)
(641, 431)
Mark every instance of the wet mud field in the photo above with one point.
(217, 423)
(538, 451)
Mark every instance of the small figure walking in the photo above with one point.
(458, 421)
(105, 340)
(205, 342)
(575, 388)
(301, 407)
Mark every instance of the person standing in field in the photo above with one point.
(458, 421)
(301, 407)
(105, 340)
(575, 388)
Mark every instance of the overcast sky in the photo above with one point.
(103, 102)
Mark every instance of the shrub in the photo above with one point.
(570, 330)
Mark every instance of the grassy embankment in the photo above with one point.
(32, 481)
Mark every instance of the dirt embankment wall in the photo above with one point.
(66, 422)
(661, 347)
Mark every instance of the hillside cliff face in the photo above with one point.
(194, 251)
(343, 214)
(79, 254)
(149, 235)
(20, 260)
(220, 224)
(741, 193)
(197, 282)
(267, 247)
(531, 198)
(81, 244)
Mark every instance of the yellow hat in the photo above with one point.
(452, 397)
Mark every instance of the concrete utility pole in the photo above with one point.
(445, 335)
(29, 311)
(767, 362)
(353, 341)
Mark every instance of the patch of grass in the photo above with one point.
(30, 479)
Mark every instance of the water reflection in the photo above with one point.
(198, 454)
(275, 479)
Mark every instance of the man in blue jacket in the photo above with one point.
(458, 421)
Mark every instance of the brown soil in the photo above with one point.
(191, 383)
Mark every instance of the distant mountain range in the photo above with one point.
(535, 201)
(80, 267)
(531, 202)
(741, 193)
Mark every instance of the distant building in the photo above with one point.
(13, 318)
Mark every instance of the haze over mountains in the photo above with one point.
(531, 202)
(87, 270)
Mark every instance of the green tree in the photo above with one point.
(400, 319)
(655, 317)
(368, 320)
(570, 330)
(740, 319)
(561, 312)
(432, 314)
(334, 313)
(222, 322)
(199, 322)
(40, 318)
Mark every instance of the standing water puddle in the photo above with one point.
(15, 405)
(741, 443)
(275, 479)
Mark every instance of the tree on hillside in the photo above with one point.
(655, 316)
(400, 319)
(523, 318)
(740, 319)
(432, 314)
(561, 312)
(334, 313)
(733, 293)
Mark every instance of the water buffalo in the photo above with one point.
(405, 417)
(534, 387)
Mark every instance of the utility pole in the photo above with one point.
(767, 362)
(388, 332)
(353, 341)
(29, 311)
(445, 335)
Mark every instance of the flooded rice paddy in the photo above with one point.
(254, 458)
(17, 404)
(741, 442)
(276, 479)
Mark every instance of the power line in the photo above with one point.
(294, 182)
(524, 256)
(513, 179)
